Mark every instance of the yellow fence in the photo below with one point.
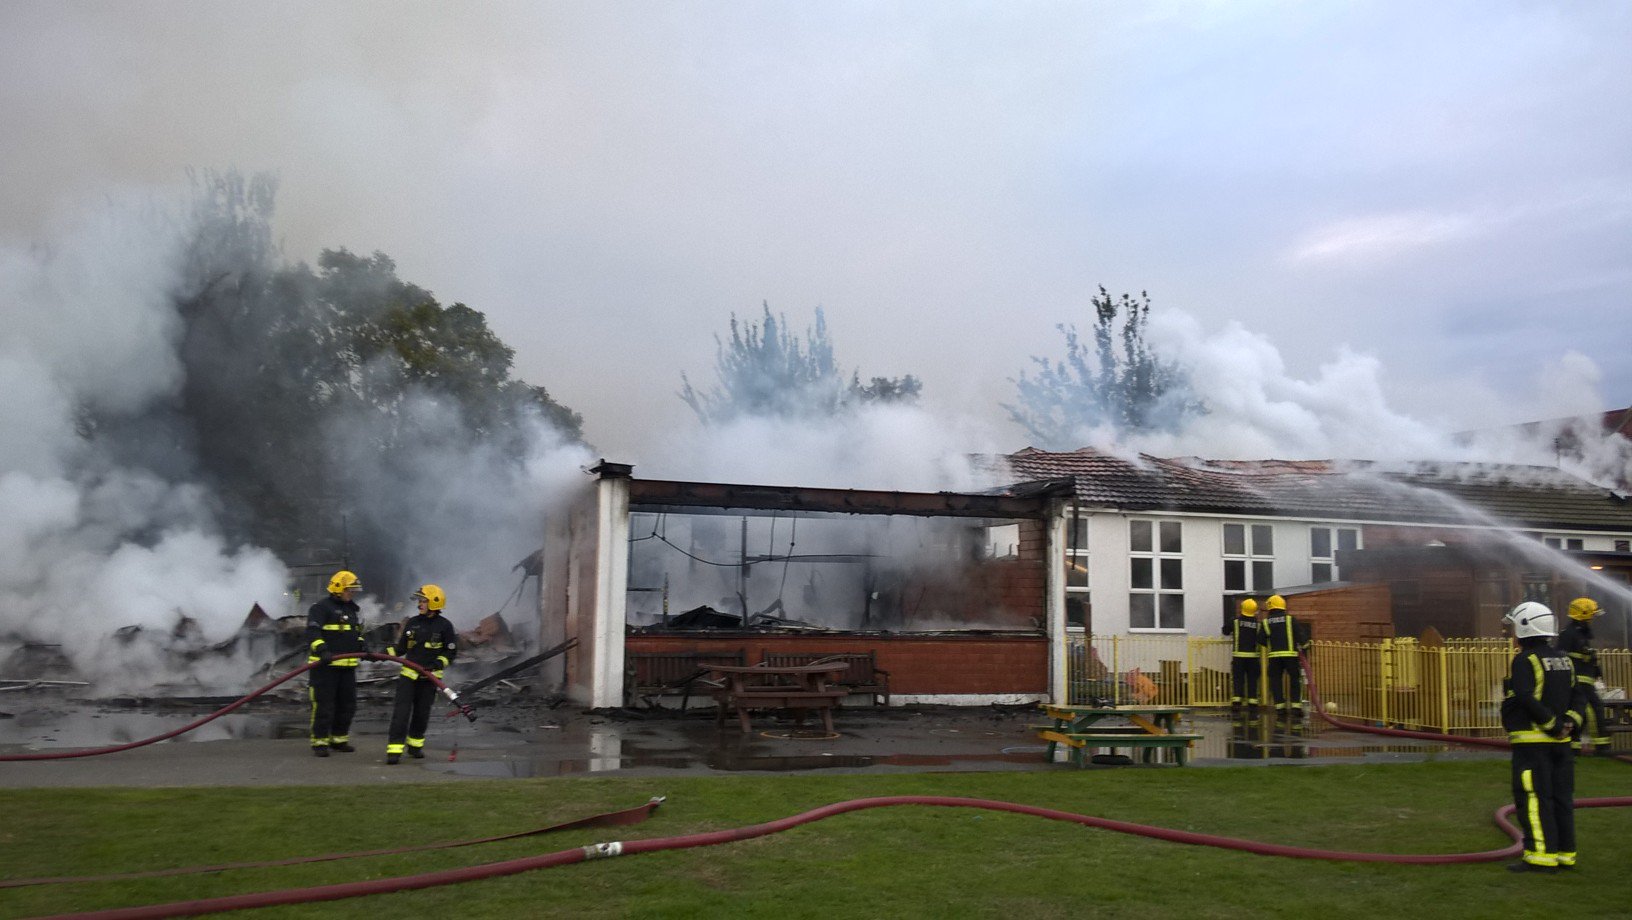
(1456, 686)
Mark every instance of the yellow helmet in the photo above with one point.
(1275, 602)
(432, 596)
(1249, 608)
(1584, 609)
(343, 580)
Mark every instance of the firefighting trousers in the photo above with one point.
(1285, 668)
(410, 713)
(1544, 801)
(1244, 680)
(334, 703)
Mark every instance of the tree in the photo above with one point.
(1119, 384)
(764, 371)
(300, 384)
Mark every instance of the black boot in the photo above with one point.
(416, 753)
(343, 747)
(320, 750)
(392, 758)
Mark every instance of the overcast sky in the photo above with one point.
(1438, 194)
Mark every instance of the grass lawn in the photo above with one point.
(910, 861)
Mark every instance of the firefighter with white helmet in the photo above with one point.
(428, 640)
(1540, 707)
(333, 627)
(1575, 640)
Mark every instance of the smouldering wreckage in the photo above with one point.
(264, 647)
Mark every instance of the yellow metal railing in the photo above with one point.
(1456, 686)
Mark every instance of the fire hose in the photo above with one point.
(1502, 818)
(447, 691)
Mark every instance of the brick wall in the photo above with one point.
(917, 665)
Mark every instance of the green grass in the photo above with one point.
(884, 863)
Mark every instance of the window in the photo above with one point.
(1155, 575)
(1324, 544)
(1249, 558)
(1077, 605)
(1623, 546)
(1565, 543)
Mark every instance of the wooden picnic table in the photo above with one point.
(798, 688)
(1150, 729)
(1617, 716)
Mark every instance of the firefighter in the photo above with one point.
(1281, 642)
(1575, 640)
(333, 627)
(1540, 708)
(1246, 637)
(427, 639)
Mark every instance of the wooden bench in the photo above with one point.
(649, 675)
(863, 676)
(1151, 747)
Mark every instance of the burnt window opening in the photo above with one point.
(723, 568)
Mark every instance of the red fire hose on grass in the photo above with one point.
(1502, 818)
(453, 697)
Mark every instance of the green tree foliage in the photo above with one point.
(301, 383)
(1118, 384)
(765, 371)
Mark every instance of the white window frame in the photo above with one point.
(1076, 562)
(1334, 544)
(1251, 557)
(1159, 591)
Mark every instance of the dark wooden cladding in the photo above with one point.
(697, 496)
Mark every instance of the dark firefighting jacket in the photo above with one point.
(333, 626)
(1539, 693)
(429, 640)
(1280, 636)
(1576, 642)
(1246, 634)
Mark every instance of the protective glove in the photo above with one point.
(1599, 686)
(1565, 728)
(324, 658)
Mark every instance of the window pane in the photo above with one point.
(1077, 538)
(1552, 542)
(1235, 540)
(1172, 574)
(1320, 542)
(1320, 572)
(1348, 538)
(1574, 544)
(1263, 576)
(1140, 573)
(1139, 536)
(1141, 611)
(1263, 540)
(1076, 571)
(1170, 537)
(1235, 575)
(1172, 608)
(1077, 610)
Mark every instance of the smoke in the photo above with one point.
(1258, 409)
(100, 537)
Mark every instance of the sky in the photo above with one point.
(1439, 195)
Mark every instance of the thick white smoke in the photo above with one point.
(89, 544)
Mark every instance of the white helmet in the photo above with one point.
(1531, 619)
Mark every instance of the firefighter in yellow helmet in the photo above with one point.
(428, 640)
(1281, 642)
(1246, 636)
(334, 627)
(1575, 640)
